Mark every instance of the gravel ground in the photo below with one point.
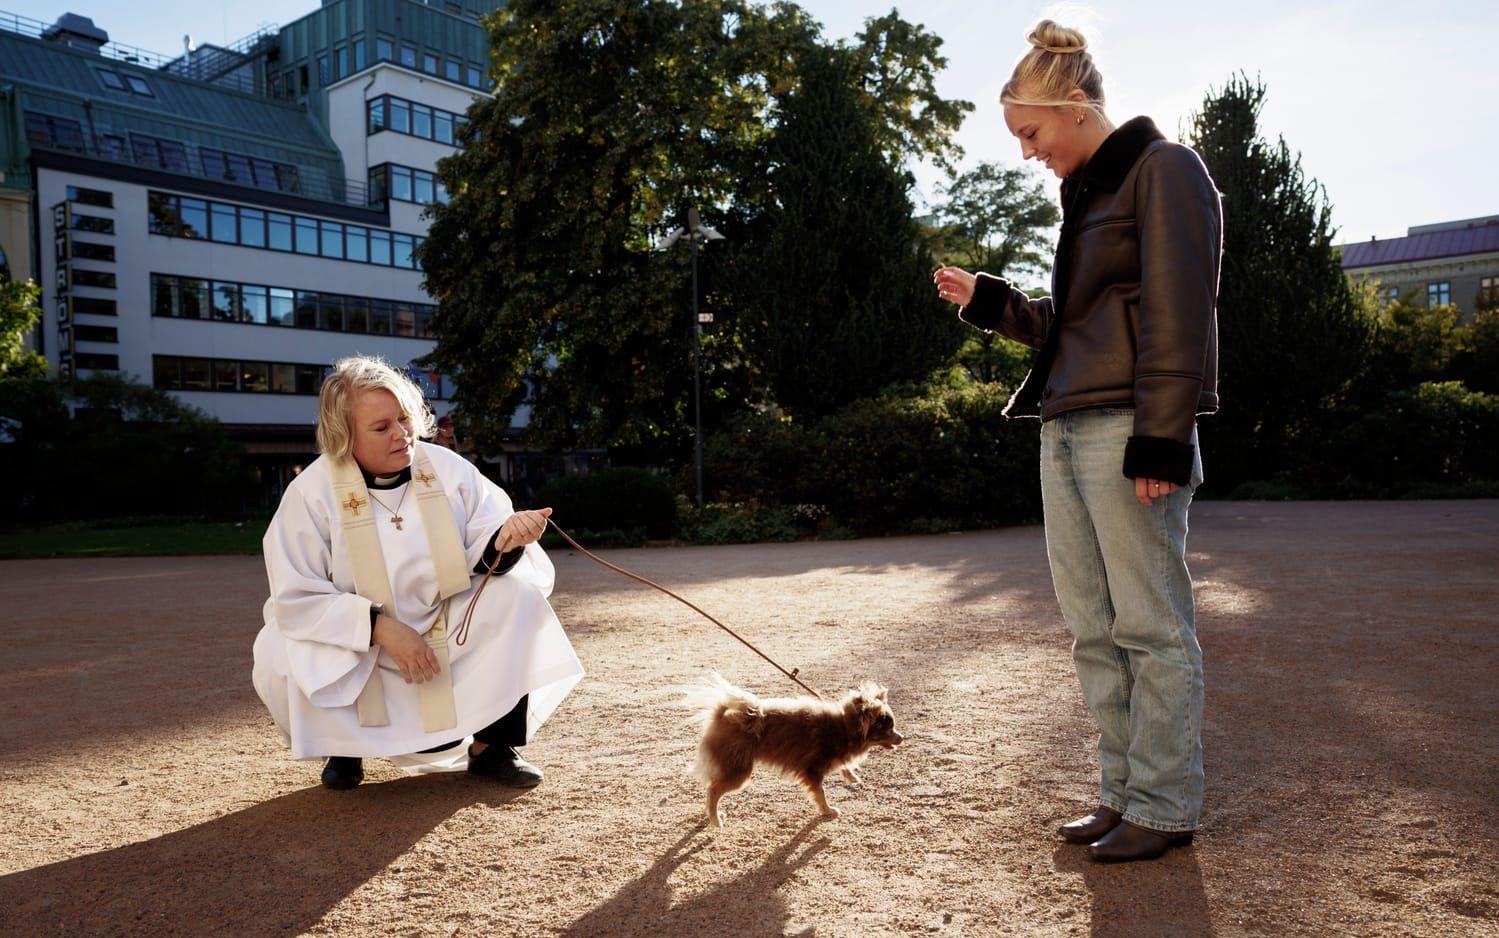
(1352, 740)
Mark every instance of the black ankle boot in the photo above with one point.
(504, 765)
(343, 772)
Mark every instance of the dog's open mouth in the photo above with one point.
(890, 742)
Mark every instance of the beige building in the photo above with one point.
(1454, 262)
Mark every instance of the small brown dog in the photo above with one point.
(806, 738)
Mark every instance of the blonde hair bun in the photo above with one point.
(1051, 36)
(1056, 64)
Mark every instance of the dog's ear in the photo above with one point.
(867, 696)
(871, 695)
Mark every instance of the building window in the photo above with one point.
(248, 171)
(93, 278)
(252, 227)
(93, 305)
(475, 77)
(417, 120)
(307, 236)
(404, 184)
(93, 223)
(322, 71)
(408, 55)
(53, 133)
(288, 179)
(112, 147)
(96, 361)
(109, 334)
(452, 71)
(340, 62)
(158, 152)
(1439, 294)
(174, 297)
(429, 63)
(359, 55)
(97, 197)
(1488, 293)
(115, 81)
(89, 251)
(384, 50)
(184, 217)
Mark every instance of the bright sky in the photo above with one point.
(1391, 103)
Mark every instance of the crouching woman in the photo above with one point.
(374, 556)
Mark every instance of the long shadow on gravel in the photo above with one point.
(277, 867)
(748, 906)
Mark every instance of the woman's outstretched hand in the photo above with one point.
(954, 285)
(522, 528)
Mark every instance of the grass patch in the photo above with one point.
(146, 537)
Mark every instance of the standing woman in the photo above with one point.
(1127, 360)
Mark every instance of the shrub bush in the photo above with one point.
(619, 502)
(911, 459)
(1429, 438)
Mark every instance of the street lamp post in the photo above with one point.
(695, 231)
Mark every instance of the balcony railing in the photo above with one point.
(236, 67)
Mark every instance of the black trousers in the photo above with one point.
(508, 730)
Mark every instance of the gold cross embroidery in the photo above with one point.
(354, 503)
(425, 479)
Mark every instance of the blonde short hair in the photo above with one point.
(1057, 63)
(351, 377)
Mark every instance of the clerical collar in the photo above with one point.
(385, 482)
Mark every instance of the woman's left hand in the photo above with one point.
(522, 528)
(1147, 490)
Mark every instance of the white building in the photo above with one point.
(226, 224)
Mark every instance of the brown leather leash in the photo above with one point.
(462, 634)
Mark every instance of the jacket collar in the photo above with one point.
(1114, 158)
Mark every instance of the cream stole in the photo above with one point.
(371, 581)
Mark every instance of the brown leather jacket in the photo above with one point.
(1131, 321)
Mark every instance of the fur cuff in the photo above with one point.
(987, 307)
(1154, 457)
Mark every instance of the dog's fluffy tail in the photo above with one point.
(715, 699)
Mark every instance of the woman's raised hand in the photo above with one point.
(522, 528)
(411, 652)
(954, 285)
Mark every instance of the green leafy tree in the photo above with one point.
(1477, 363)
(999, 220)
(899, 63)
(610, 118)
(19, 312)
(835, 289)
(1290, 337)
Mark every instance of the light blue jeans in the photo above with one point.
(1120, 573)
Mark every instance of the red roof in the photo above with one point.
(1419, 247)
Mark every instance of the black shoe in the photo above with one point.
(343, 772)
(504, 765)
